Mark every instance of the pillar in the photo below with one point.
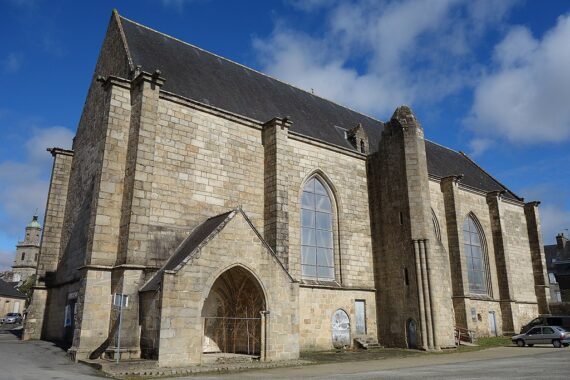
(541, 284)
(50, 245)
(276, 182)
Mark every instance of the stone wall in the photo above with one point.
(345, 175)
(411, 265)
(316, 309)
(11, 305)
(184, 293)
(503, 225)
(149, 306)
(203, 165)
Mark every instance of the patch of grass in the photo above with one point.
(495, 341)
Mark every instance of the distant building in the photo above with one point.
(558, 267)
(27, 251)
(11, 300)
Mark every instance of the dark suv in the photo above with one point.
(548, 320)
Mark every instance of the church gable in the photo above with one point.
(236, 245)
(230, 254)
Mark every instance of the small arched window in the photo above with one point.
(362, 150)
(23, 255)
(317, 257)
(475, 255)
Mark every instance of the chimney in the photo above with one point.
(561, 241)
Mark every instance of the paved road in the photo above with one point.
(497, 363)
(42, 360)
(37, 361)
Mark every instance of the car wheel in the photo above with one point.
(565, 344)
(530, 345)
(520, 342)
(556, 343)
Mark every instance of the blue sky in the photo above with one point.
(489, 78)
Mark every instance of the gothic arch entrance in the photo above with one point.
(232, 314)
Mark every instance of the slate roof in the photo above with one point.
(444, 162)
(8, 290)
(207, 78)
(185, 249)
(197, 236)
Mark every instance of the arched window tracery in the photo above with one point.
(317, 245)
(476, 256)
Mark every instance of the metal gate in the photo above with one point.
(232, 335)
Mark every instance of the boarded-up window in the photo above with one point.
(360, 311)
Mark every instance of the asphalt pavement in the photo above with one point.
(539, 362)
(37, 360)
(43, 360)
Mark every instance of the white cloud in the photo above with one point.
(479, 146)
(525, 99)
(553, 221)
(13, 62)
(413, 51)
(6, 260)
(25, 184)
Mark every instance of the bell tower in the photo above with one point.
(27, 251)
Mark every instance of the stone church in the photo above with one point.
(240, 214)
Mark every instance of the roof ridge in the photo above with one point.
(248, 68)
(487, 173)
(123, 38)
(443, 146)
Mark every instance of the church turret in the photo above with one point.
(27, 251)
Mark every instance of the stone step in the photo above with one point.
(223, 358)
(367, 343)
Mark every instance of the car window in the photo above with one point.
(547, 330)
(554, 321)
(535, 321)
(535, 330)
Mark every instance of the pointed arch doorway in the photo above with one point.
(232, 314)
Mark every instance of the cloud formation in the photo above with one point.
(553, 221)
(391, 39)
(524, 99)
(25, 184)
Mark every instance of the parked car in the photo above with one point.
(13, 318)
(554, 335)
(548, 320)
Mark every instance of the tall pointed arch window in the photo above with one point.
(474, 247)
(317, 256)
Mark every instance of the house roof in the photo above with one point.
(207, 78)
(8, 290)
